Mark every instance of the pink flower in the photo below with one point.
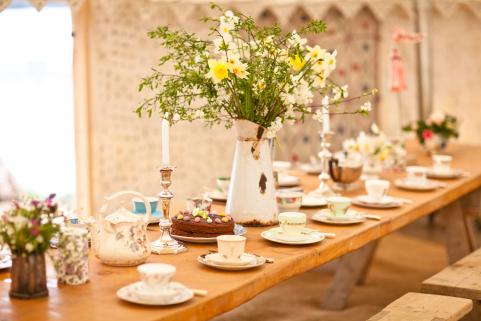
(34, 231)
(427, 134)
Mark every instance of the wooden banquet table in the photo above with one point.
(97, 300)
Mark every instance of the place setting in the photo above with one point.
(441, 168)
(338, 212)
(139, 207)
(284, 179)
(416, 180)
(220, 193)
(156, 287)
(231, 255)
(377, 196)
(293, 200)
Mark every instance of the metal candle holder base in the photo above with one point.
(165, 244)
(323, 190)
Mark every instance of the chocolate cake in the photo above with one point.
(202, 224)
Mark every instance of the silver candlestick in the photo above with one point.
(165, 244)
(323, 190)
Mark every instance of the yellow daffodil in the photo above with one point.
(315, 53)
(232, 61)
(218, 70)
(261, 85)
(297, 62)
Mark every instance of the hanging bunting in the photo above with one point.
(38, 4)
(75, 4)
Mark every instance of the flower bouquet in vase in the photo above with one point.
(250, 77)
(26, 228)
(435, 132)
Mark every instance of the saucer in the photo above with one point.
(429, 185)
(385, 202)
(288, 180)
(253, 261)
(218, 259)
(136, 293)
(238, 230)
(154, 218)
(309, 236)
(450, 174)
(311, 169)
(313, 201)
(217, 195)
(351, 217)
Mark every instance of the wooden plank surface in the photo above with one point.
(97, 301)
(424, 307)
(462, 279)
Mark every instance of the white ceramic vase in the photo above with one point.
(251, 199)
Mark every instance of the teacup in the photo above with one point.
(442, 163)
(156, 276)
(231, 247)
(376, 188)
(416, 175)
(292, 223)
(223, 183)
(289, 201)
(199, 203)
(338, 205)
(139, 205)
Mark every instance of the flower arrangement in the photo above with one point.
(377, 148)
(435, 132)
(260, 74)
(28, 225)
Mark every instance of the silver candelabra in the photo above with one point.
(323, 190)
(165, 244)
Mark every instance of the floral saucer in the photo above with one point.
(311, 169)
(313, 201)
(248, 261)
(136, 293)
(308, 236)
(352, 217)
(385, 202)
(429, 185)
(449, 174)
(217, 195)
(288, 180)
(154, 218)
(238, 230)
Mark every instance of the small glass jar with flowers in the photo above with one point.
(435, 132)
(26, 228)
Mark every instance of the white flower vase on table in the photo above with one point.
(251, 199)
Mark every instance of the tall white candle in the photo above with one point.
(325, 115)
(165, 142)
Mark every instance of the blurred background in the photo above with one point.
(69, 72)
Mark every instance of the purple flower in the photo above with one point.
(34, 231)
(35, 203)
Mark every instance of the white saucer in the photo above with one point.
(452, 173)
(428, 186)
(385, 202)
(313, 201)
(218, 259)
(288, 180)
(351, 217)
(217, 195)
(254, 261)
(238, 230)
(136, 293)
(312, 169)
(312, 237)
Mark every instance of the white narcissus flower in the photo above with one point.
(319, 81)
(240, 70)
(232, 60)
(329, 60)
(199, 113)
(317, 116)
(176, 117)
(315, 53)
(340, 92)
(366, 107)
(295, 39)
(349, 145)
(275, 126)
(224, 30)
(29, 247)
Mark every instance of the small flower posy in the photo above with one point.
(28, 225)
(438, 125)
(260, 74)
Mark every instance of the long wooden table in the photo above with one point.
(227, 290)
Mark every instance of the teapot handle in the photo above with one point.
(108, 199)
(333, 162)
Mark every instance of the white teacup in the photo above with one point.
(376, 188)
(442, 163)
(231, 247)
(338, 205)
(416, 175)
(292, 223)
(156, 276)
(289, 201)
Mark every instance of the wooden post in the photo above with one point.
(352, 269)
(458, 242)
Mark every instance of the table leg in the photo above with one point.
(458, 240)
(352, 269)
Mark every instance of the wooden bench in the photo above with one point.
(424, 307)
(461, 279)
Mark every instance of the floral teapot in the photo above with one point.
(120, 238)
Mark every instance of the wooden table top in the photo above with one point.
(227, 290)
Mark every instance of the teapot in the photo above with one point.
(120, 238)
(345, 170)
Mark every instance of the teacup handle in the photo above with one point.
(108, 199)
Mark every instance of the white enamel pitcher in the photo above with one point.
(120, 238)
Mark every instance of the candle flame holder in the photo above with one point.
(165, 244)
(324, 190)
